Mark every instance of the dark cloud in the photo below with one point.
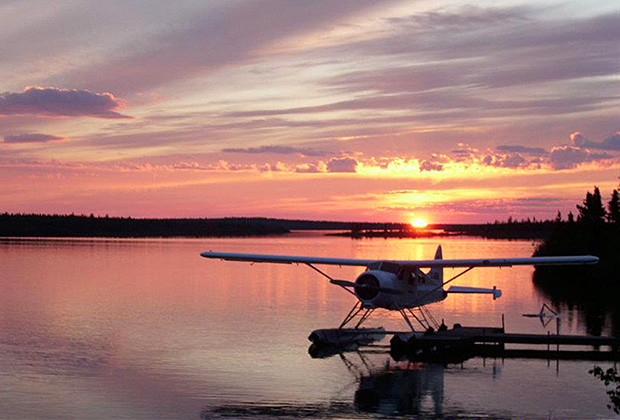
(567, 157)
(535, 151)
(282, 150)
(52, 101)
(611, 143)
(506, 161)
(31, 138)
(342, 165)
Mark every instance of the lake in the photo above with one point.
(147, 329)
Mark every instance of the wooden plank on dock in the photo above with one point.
(499, 352)
(497, 335)
(576, 340)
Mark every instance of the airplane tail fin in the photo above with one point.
(436, 273)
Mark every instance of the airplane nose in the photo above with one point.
(367, 287)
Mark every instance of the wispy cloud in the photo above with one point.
(31, 138)
(224, 34)
(280, 150)
(463, 78)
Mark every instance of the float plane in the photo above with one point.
(396, 285)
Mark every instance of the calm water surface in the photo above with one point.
(146, 329)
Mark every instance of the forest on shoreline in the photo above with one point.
(592, 289)
(54, 225)
(44, 225)
(593, 231)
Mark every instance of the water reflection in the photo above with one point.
(409, 388)
(383, 387)
(586, 304)
(281, 411)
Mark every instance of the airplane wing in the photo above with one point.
(490, 262)
(285, 259)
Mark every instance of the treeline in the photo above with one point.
(593, 288)
(511, 229)
(596, 231)
(42, 225)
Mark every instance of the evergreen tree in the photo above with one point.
(613, 215)
(592, 211)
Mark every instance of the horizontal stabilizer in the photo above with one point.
(462, 289)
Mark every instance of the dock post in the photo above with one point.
(548, 350)
(503, 324)
(557, 329)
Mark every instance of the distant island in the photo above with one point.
(511, 229)
(43, 225)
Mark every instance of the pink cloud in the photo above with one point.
(57, 102)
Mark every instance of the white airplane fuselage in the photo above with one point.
(409, 288)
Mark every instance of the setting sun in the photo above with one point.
(419, 223)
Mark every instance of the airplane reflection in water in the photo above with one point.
(399, 388)
(384, 386)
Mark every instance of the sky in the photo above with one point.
(356, 110)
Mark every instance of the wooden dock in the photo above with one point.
(462, 343)
(498, 336)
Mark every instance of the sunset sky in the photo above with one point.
(344, 110)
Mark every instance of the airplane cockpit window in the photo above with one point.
(374, 266)
(390, 267)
